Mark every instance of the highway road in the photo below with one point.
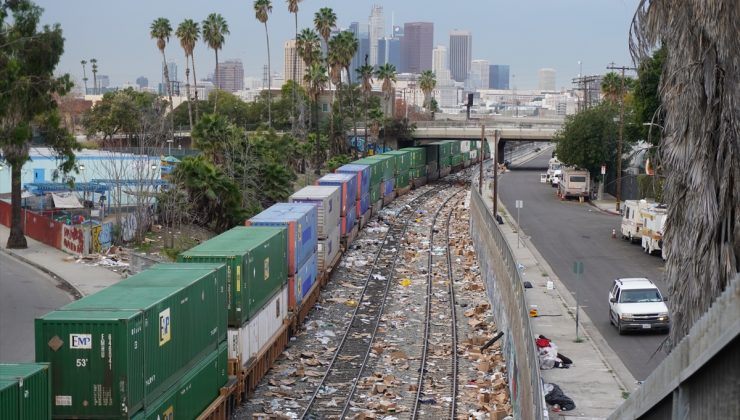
(568, 231)
(25, 293)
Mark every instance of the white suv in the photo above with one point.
(636, 304)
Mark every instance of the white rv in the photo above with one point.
(632, 219)
(653, 221)
(574, 183)
(553, 166)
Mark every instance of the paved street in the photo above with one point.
(25, 293)
(564, 232)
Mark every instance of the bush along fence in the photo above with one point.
(506, 293)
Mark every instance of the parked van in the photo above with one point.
(574, 183)
(555, 178)
(553, 166)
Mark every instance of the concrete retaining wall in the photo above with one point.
(506, 294)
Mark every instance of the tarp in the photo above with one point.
(66, 201)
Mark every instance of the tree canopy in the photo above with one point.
(28, 92)
(588, 139)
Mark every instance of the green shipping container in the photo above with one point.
(194, 392)
(474, 145)
(456, 159)
(403, 180)
(219, 282)
(388, 163)
(25, 391)
(376, 169)
(418, 172)
(375, 194)
(466, 156)
(256, 260)
(445, 162)
(445, 148)
(432, 152)
(403, 159)
(455, 147)
(116, 350)
(418, 156)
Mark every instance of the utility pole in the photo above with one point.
(621, 130)
(494, 153)
(482, 151)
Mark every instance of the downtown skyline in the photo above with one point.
(526, 35)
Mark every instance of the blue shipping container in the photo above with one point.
(363, 204)
(306, 277)
(388, 186)
(348, 185)
(302, 222)
(363, 176)
(348, 221)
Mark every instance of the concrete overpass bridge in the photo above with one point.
(498, 132)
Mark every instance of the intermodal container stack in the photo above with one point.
(403, 166)
(256, 259)
(418, 165)
(347, 184)
(376, 178)
(327, 200)
(194, 392)
(25, 391)
(432, 164)
(362, 172)
(301, 220)
(122, 348)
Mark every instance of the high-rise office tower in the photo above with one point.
(103, 81)
(440, 64)
(394, 51)
(376, 32)
(461, 51)
(230, 76)
(363, 47)
(547, 79)
(498, 76)
(479, 74)
(142, 82)
(172, 70)
(290, 53)
(416, 47)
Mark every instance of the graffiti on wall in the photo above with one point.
(73, 239)
(129, 227)
(101, 237)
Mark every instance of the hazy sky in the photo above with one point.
(526, 34)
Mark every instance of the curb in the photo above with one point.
(611, 212)
(63, 283)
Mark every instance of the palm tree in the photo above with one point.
(161, 31)
(365, 72)
(611, 87)
(699, 149)
(94, 63)
(84, 74)
(262, 10)
(427, 83)
(293, 8)
(316, 81)
(387, 73)
(187, 32)
(215, 30)
(308, 46)
(324, 21)
(348, 46)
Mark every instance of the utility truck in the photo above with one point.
(552, 166)
(574, 183)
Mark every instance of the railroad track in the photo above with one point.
(440, 325)
(331, 399)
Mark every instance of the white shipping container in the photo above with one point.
(464, 146)
(328, 249)
(251, 338)
(327, 198)
(473, 154)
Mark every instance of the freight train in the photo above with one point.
(192, 339)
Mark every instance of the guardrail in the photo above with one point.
(699, 378)
(506, 293)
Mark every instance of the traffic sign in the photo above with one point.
(519, 204)
(603, 169)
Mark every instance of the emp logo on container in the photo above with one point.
(165, 327)
(80, 341)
